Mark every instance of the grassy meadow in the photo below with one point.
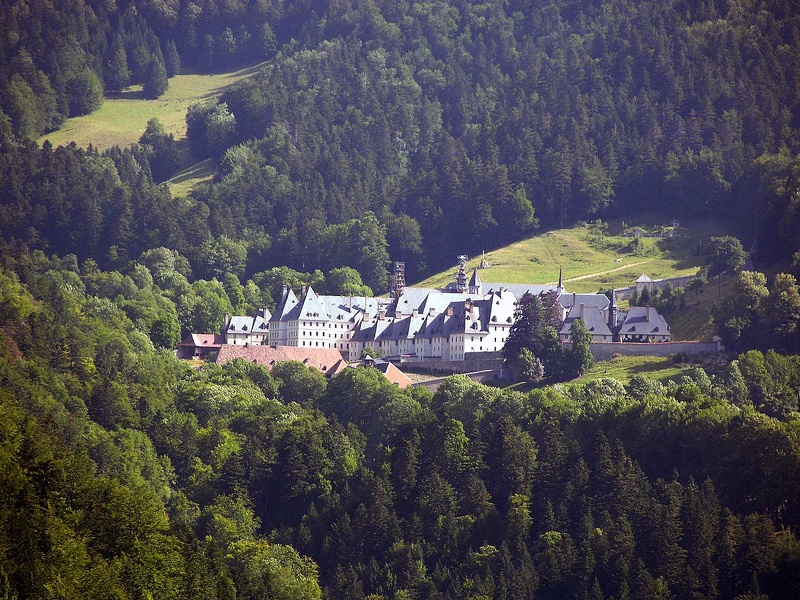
(623, 368)
(122, 119)
(592, 257)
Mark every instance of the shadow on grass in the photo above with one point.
(202, 170)
(643, 368)
(127, 95)
(229, 78)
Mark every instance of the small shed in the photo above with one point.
(644, 282)
(200, 345)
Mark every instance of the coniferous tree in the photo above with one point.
(581, 353)
(172, 61)
(85, 93)
(155, 81)
(116, 73)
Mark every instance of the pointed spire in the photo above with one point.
(475, 283)
(560, 289)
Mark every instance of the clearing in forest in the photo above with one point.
(122, 119)
(592, 256)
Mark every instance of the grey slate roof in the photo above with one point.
(638, 321)
(309, 308)
(351, 308)
(502, 305)
(598, 301)
(520, 289)
(475, 280)
(287, 303)
(592, 317)
(245, 324)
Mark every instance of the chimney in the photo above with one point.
(581, 317)
(647, 313)
(431, 311)
(381, 314)
(574, 298)
(413, 312)
(350, 303)
(303, 290)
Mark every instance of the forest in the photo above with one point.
(125, 473)
(431, 129)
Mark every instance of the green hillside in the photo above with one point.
(592, 257)
(122, 118)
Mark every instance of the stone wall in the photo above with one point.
(675, 282)
(479, 376)
(473, 361)
(605, 350)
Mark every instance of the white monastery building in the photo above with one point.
(422, 324)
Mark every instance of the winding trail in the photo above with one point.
(622, 268)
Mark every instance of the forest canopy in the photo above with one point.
(127, 474)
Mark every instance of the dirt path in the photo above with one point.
(622, 268)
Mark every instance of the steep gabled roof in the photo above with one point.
(644, 320)
(203, 340)
(287, 303)
(501, 307)
(392, 373)
(473, 317)
(592, 317)
(309, 308)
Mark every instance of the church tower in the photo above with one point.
(475, 283)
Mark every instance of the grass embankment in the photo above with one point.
(122, 119)
(623, 368)
(693, 322)
(592, 257)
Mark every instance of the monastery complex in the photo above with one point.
(465, 320)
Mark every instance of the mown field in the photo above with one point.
(122, 118)
(592, 257)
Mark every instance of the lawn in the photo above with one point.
(591, 257)
(122, 119)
